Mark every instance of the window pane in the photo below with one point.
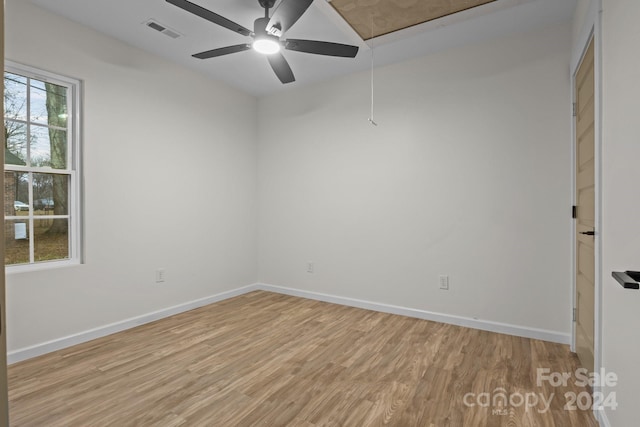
(48, 147)
(50, 194)
(58, 139)
(15, 96)
(48, 103)
(16, 242)
(16, 137)
(38, 102)
(16, 193)
(40, 146)
(51, 239)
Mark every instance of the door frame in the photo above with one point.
(591, 31)
(4, 398)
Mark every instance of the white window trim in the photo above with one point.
(75, 169)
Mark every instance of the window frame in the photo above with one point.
(73, 170)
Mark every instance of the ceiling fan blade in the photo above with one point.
(287, 13)
(222, 51)
(210, 16)
(281, 68)
(321, 48)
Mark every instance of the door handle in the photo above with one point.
(588, 233)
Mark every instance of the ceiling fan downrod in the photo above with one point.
(266, 5)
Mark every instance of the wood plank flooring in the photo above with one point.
(264, 359)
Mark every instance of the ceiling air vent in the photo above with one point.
(153, 24)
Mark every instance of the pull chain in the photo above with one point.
(371, 48)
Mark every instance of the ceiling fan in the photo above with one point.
(267, 33)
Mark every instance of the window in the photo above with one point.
(41, 180)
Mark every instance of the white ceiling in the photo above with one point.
(249, 71)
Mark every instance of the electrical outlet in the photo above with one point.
(309, 266)
(444, 283)
(160, 275)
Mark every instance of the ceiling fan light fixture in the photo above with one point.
(266, 45)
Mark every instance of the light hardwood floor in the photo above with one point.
(274, 360)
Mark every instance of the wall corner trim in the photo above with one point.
(601, 416)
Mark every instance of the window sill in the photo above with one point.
(47, 265)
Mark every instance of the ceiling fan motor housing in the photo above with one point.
(260, 30)
(260, 27)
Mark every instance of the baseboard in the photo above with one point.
(485, 325)
(79, 338)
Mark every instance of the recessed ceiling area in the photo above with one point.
(373, 18)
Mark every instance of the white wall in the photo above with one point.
(467, 174)
(580, 18)
(170, 181)
(621, 202)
